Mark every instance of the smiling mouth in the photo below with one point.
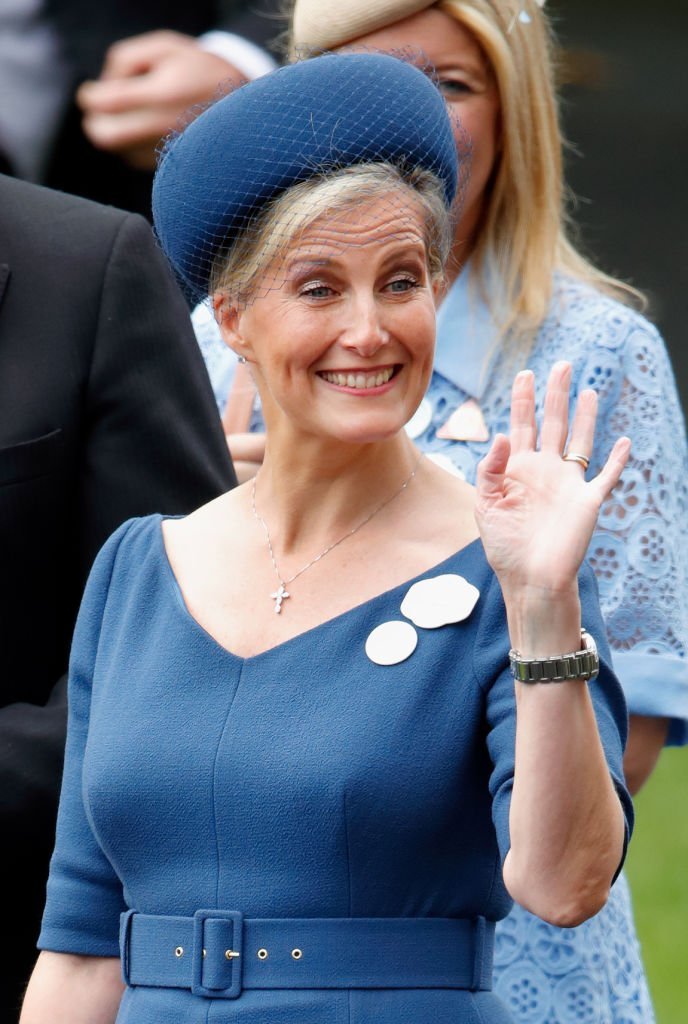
(359, 380)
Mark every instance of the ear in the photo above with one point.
(229, 320)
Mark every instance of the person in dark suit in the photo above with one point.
(106, 412)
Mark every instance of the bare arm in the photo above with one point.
(646, 739)
(248, 452)
(67, 989)
(566, 821)
(536, 514)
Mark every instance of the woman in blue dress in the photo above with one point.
(305, 773)
(520, 296)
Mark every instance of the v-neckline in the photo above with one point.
(306, 633)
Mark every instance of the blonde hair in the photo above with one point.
(240, 272)
(525, 230)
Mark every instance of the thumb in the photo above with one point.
(491, 470)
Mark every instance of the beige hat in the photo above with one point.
(326, 24)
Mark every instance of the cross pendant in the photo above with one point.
(281, 594)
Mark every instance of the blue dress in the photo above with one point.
(594, 974)
(305, 782)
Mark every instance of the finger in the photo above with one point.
(138, 54)
(120, 96)
(127, 131)
(583, 429)
(523, 432)
(555, 422)
(491, 470)
(610, 474)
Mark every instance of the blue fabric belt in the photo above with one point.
(217, 953)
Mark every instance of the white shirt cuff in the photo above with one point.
(244, 55)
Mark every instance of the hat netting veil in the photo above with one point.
(221, 176)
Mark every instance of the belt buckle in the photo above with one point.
(232, 954)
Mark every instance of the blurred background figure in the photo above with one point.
(143, 62)
(105, 413)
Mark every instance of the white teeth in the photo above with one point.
(358, 380)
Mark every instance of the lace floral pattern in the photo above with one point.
(586, 975)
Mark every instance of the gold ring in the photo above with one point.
(582, 460)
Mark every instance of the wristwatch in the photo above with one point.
(583, 664)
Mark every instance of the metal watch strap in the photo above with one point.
(583, 664)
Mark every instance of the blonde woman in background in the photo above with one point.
(520, 294)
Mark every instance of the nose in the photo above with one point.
(365, 331)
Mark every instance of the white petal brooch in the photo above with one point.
(439, 601)
(391, 643)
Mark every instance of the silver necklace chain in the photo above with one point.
(281, 594)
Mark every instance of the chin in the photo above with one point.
(370, 433)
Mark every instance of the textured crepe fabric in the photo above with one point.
(303, 782)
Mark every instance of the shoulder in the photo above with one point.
(600, 320)
(53, 219)
(126, 550)
(60, 246)
(612, 347)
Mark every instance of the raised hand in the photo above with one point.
(535, 511)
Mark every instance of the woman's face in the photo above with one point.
(342, 342)
(468, 84)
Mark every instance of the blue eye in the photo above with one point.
(402, 284)
(453, 89)
(317, 291)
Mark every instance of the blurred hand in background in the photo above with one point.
(147, 84)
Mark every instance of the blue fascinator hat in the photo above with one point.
(216, 177)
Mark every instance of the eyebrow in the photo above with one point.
(301, 264)
(471, 67)
(305, 265)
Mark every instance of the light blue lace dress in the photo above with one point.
(592, 974)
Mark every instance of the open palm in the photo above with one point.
(535, 511)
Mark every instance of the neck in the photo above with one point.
(312, 491)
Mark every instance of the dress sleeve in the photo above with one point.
(84, 896)
(493, 674)
(640, 549)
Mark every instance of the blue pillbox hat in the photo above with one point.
(295, 123)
